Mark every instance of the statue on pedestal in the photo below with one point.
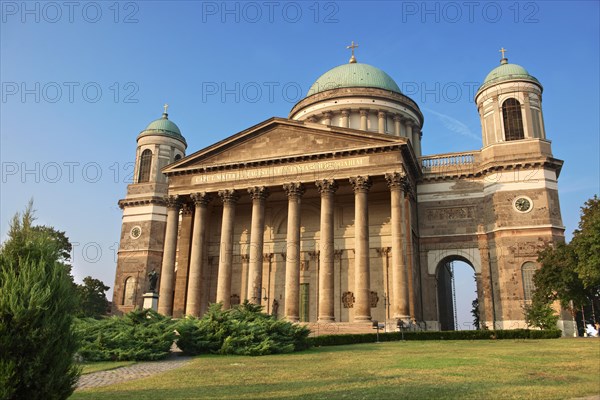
(152, 279)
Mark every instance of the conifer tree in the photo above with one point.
(37, 303)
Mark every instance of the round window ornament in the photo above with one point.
(523, 204)
(135, 232)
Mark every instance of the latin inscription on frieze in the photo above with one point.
(451, 213)
(319, 170)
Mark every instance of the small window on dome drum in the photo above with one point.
(145, 164)
(513, 120)
(177, 157)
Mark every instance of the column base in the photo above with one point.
(293, 318)
(362, 318)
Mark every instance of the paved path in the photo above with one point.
(135, 371)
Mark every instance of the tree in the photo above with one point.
(92, 298)
(22, 236)
(586, 244)
(37, 303)
(558, 280)
(570, 273)
(475, 312)
(541, 315)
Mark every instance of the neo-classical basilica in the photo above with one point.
(334, 215)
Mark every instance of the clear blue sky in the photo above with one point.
(79, 144)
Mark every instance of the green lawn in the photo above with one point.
(507, 369)
(88, 368)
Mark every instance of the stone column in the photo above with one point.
(345, 119)
(326, 118)
(381, 121)
(182, 259)
(292, 260)
(165, 298)
(397, 129)
(327, 188)
(417, 140)
(229, 198)
(201, 201)
(257, 232)
(364, 114)
(408, 193)
(408, 124)
(362, 309)
(399, 299)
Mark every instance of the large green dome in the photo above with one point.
(163, 126)
(506, 71)
(353, 75)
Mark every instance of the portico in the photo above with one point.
(266, 207)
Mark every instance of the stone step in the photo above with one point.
(341, 328)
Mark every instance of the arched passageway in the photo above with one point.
(456, 293)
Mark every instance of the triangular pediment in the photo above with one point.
(279, 138)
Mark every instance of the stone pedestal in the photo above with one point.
(150, 300)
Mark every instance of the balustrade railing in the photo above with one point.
(450, 162)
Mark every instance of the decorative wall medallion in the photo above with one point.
(374, 299)
(348, 299)
(523, 204)
(135, 232)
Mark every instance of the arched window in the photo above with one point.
(513, 120)
(177, 157)
(528, 269)
(145, 164)
(128, 291)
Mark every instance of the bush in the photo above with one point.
(540, 314)
(37, 302)
(335, 340)
(242, 330)
(136, 336)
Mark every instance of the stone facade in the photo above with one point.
(324, 218)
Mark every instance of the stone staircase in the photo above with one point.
(342, 328)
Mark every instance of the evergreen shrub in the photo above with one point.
(241, 330)
(135, 336)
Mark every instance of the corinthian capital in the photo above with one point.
(186, 209)
(396, 180)
(258, 192)
(201, 198)
(229, 196)
(172, 202)
(294, 189)
(327, 186)
(361, 183)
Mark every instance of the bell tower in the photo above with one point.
(145, 212)
(520, 204)
(510, 105)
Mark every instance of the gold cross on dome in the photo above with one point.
(352, 46)
(166, 106)
(502, 50)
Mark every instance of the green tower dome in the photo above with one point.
(506, 71)
(163, 127)
(353, 75)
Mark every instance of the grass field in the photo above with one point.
(501, 369)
